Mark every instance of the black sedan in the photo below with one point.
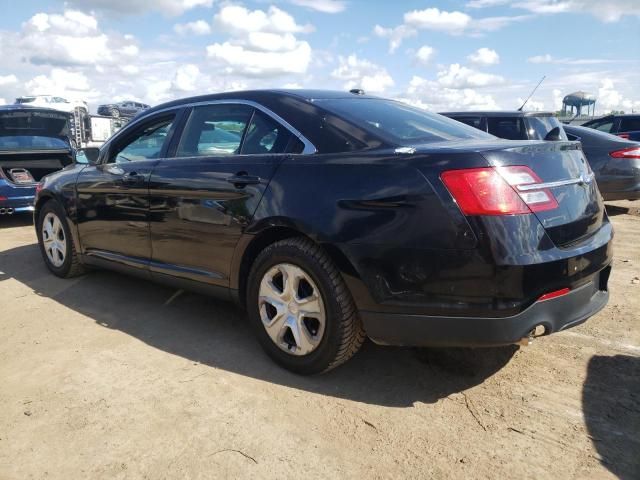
(332, 217)
(615, 162)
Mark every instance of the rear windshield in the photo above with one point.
(399, 123)
(34, 142)
(540, 126)
(511, 128)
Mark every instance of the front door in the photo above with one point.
(204, 197)
(113, 196)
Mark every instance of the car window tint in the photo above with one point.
(265, 135)
(603, 126)
(398, 122)
(214, 130)
(511, 128)
(147, 143)
(540, 126)
(295, 145)
(628, 124)
(475, 122)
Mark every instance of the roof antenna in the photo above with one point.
(531, 94)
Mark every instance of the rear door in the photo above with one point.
(113, 196)
(204, 197)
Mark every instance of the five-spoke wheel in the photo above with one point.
(54, 239)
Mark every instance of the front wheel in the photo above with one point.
(56, 243)
(115, 113)
(301, 309)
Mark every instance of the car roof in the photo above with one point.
(498, 113)
(308, 95)
(31, 108)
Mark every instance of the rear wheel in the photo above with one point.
(115, 113)
(55, 241)
(301, 309)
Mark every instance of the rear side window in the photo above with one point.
(603, 125)
(214, 130)
(540, 126)
(397, 122)
(265, 135)
(475, 122)
(628, 124)
(511, 128)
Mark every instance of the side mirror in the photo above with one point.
(553, 135)
(87, 155)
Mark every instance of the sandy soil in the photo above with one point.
(102, 377)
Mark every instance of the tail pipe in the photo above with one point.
(536, 332)
(7, 211)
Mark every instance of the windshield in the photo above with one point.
(399, 123)
(540, 126)
(19, 142)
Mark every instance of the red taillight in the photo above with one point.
(554, 294)
(498, 191)
(624, 135)
(3, 199)
(631, 152)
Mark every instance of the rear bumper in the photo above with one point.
(555, 315)
(17, 198)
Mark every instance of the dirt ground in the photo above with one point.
(103, 377)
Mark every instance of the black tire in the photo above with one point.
(115, 113)
(343, 333)
(71, 267)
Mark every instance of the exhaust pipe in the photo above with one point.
(3, 211)
(10, 211)
(537, 331)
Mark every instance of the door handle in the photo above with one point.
(242, 179)
(133, 178)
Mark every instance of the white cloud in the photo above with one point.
(484, 56)
(457, 76)
(236, 19)
(8, 80)
(3, 101)
(186, 78)
(485, 3)
(607, 11)
(611, 99)
(532, 105)
(424, 54)
(134, 7)
(199, 27)
(547, 58)
(324, 6)
(70, 38)
(261, 44)
(433, 96)
(361, 73)
(68, 84)
(435, 19)
(395, 35)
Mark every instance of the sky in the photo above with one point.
(440, 55)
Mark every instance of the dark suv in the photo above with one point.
(513, 125)
(122, 109)
(625, 126)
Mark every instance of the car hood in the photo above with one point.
(32, 121)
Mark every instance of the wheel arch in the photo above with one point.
(251, 244)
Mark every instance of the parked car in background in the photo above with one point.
(615, 162)
(33, 143)
(122, 109)
(626, 126)
(513, 125)
(332, 216)
(51, 101)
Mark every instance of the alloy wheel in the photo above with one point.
(54, 239)
(291, 309)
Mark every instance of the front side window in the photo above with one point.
(214, 130)
(146, 144)
(629, 124)
(511, 128)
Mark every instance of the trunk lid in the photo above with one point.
(21, 122)
(563, 169)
